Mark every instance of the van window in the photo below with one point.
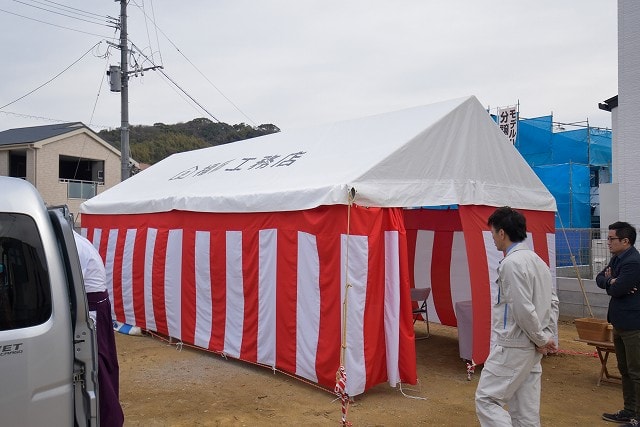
(25, 291)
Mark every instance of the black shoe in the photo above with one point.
(633, 422)
(622, 416)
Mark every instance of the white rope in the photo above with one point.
(409, 396)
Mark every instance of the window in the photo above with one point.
(81, 170)
(25, 291)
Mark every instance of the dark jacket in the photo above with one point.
(624, 306)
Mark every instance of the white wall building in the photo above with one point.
(620, 200)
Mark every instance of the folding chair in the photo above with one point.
(421, 295)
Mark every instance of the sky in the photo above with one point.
(299, 63)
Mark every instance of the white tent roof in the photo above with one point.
(447, 153)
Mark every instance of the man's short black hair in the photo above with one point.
(511, 221)
(624, 230)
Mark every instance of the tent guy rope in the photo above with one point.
(341, 374)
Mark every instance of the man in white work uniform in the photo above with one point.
(525, 325)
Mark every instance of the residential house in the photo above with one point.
(68, 163)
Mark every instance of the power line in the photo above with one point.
(52, 79)
(78, 10)
(54, 25)
(60, 13)
(146, 26)
(153, 13)
(48, 119)
(196, 68)
(174, 83)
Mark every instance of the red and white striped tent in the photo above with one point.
(245, 248)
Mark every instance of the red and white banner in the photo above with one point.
(269, 288)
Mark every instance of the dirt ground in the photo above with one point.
(162, 385)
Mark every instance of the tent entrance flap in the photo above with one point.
(452, 252)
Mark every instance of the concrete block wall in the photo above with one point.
(572, 299)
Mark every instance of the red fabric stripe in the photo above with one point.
(159, 261)
(137, 277)
(104, 241)
(373, 328)
(474, 220)
(540, 246)
(432, 219)
(412, 239)
(188, 287)
(540, 224)
(407, 356)
(90, 233)
(286, 300)
(330, 334)
(118, 303)
(218, 255)
(441, 277)
(250, 266)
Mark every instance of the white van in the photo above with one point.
(48, 351)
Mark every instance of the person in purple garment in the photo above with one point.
(94, 275)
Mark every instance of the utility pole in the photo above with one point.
(124, 94)
(119, 81)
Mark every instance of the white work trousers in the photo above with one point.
(510, 377)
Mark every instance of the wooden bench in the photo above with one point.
(604, 349)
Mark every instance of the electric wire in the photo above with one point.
(195, 67)
(47, 119)
(79, 11)
(52, 79)
(55, 25)
(179, 93)
(153, 13)
(146, 26)
(60, 13)
(156, 68)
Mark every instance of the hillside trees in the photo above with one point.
(150, 144)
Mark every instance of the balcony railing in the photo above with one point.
(77, 189)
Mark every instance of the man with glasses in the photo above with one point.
(621, 280)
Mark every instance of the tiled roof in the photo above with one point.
(36, 133)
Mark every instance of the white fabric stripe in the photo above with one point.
(459, 272)
(127, 277)
(308, 306)
(267, 263)
(148, 279)
(108, 265)
(204, 309)
(173, 283)
(234, 323)
(551, 247)
(354, 360)
(83, 232)
(494, 257)
(97, 234)
(422, 268)
(529, 241)
(392, 305)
